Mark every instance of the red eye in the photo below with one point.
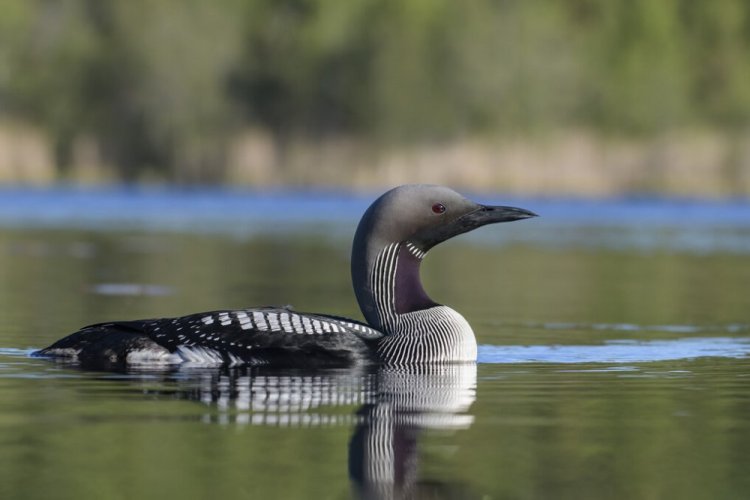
(438, 208)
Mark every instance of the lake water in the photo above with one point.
(614, 357)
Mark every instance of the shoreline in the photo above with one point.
(693, 163)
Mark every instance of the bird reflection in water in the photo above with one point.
(383, 451)
(395, 404)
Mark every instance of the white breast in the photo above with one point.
(437, 334)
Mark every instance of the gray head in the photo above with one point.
(426, 215)
(421, 216)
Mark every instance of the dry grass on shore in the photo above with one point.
(687, 163)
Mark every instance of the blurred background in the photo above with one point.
(578, 97)
(164, 157)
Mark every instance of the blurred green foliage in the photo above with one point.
(159, 83)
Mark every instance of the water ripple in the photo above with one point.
(732, 328)
(611, 351)
(619, 351)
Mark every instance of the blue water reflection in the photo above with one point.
(619, 351)
(644, 224)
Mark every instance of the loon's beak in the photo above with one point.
(480, 216)
(492, 214)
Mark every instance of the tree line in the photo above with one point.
(161, 84)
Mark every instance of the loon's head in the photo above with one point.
(417, 216)
(425, 215)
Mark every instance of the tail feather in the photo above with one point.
(103, 346)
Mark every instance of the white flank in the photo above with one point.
(151, 357)
(199, 355)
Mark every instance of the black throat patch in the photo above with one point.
(410, 296)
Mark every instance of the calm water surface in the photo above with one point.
(614, 353)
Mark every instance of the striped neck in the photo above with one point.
(393, 286)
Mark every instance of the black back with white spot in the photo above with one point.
(259, 336)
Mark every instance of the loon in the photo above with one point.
(403, 324)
